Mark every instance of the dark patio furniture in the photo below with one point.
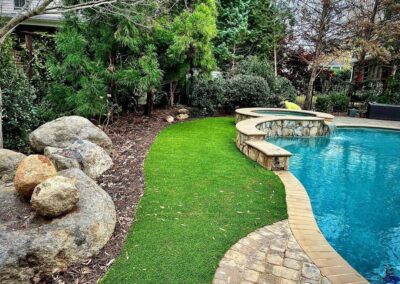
(383, 111)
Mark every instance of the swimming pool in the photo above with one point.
(283, 113)
(353, 180)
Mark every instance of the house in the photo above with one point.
(10, 8)
(25, 32)
(374, 70)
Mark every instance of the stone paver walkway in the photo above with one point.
(270, 255)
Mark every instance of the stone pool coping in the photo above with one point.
(247, 113)
(301, 219)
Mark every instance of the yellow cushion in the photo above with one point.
(292, 106)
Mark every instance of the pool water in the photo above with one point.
(353, 180)
(283, 113)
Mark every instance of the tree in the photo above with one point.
(251, 28)
(374, 31)
(30, 9)
(184, 39)
(319, 29)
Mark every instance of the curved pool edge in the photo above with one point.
(306, 231)
(249, 113)
(302, 221)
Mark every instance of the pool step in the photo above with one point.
(268, 155)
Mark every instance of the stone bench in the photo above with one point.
(268, 155)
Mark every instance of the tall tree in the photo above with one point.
(319, 30)
(184, 38)
(374, 31)
(31, 9)
(105, 67)
(250, 28)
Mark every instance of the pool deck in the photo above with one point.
(292, 251)
(364, 122)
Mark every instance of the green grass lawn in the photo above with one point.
(201, 196)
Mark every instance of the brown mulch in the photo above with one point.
(132, 136)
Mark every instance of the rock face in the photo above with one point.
(31, 246)
(169, 119)
(64, 131)
(55, 196)
(182, 116)
(32, 171)
(183, 111)
(85, 155)
(9, 161)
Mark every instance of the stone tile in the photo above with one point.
(292, 263)
(310, 271)
(251, 275)
(275, 259)
(286, 273)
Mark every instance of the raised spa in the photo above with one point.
(284, 113)
(353, 180)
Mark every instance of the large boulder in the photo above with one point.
(32, 171)
(182, 117)
(64, 131)
(32, 246)
(9, 161)
(85, 155)
(55, 196)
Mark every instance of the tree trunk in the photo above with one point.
(1, 119)
(172, 88)
(310, 88)
(149, 103)
(29, 47)
(275, 61)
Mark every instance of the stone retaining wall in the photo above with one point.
(287, 128)
(274, 160)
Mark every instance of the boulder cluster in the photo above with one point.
(72, 214)
(183, 114)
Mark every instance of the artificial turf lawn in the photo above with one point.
(201, 196)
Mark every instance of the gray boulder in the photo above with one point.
(9, 161)
(55, 196)
(32, 246)
(64, 131)
(85, 155)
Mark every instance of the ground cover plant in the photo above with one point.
(201, 196)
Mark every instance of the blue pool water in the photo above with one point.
(353, 180)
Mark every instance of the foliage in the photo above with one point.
(248, 91)
(333, 102)
(249, 28)
(323, 103)
(281, 88)
(392, 96)
(19, 113)
(103, 70)
(185, 211)
(251, 83)
(209, 94)
(43, 49)
(192, 33)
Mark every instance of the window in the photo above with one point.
(18, 4)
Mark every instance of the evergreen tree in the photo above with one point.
(250, 28)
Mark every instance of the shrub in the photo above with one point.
(322, 103)
(19, 113)
(336, 102)
(256, 67)
(208, 94)
(281, 88)
(248, 91)
(339, 102)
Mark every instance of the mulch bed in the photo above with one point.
(132, 136)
